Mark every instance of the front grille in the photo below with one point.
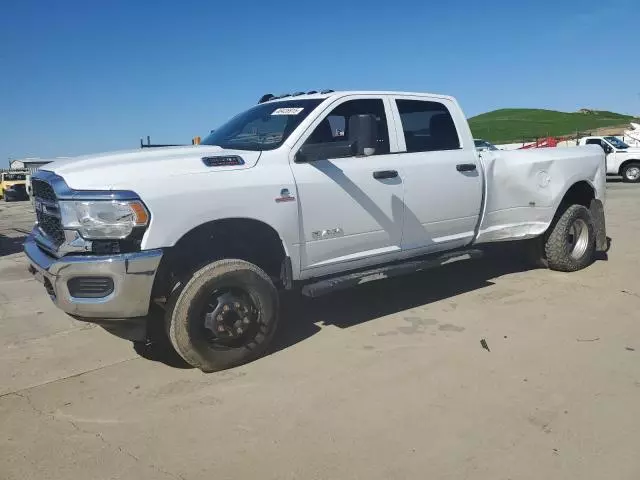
(47, 211)
(52, 227)
(43, 190)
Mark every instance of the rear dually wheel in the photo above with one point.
(571, 245)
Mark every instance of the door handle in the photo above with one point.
(466, 167)
(380, 174)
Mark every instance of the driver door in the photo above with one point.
(350, 213)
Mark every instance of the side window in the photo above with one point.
(338, 125)
(601, 143)
(335, 126)
(427, 126)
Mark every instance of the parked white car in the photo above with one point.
(483, 145)
(622, 159)
(315, 192)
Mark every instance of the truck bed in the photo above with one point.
(524, 188)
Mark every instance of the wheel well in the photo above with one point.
(241, 238)
(580, 193)
(627, 162)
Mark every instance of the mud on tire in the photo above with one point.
(240, 286)
(571, 244)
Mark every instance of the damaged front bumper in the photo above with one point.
(96, 286)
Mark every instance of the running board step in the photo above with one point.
(332, 284)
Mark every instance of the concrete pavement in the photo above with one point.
(385, 381)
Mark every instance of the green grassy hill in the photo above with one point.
(514, 124)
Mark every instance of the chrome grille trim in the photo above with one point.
(48, 213)
(63, 192)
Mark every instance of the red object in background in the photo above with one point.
(542, 143)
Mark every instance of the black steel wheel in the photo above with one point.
(230, 319)
(226, 315)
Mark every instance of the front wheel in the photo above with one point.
(631, 172)
(226, 315)
(571, 244)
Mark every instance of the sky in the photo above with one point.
(80, 76)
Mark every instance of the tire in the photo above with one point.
(571, 245)
(533, 253)
(247, 299)
(631, 172)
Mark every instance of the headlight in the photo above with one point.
(98, 220)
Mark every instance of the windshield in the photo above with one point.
(12, 177)
(263, 127)
(616, 142)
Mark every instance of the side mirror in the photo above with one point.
(363, 134)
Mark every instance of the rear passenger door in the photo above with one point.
(441, 176)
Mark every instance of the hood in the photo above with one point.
(125, 169)
(631, 150)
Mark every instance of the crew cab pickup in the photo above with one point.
(315, 192)
(622, 159)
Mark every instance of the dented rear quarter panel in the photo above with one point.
(523, 189)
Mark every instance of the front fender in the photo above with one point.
(180, 204)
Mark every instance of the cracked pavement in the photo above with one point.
(389, 380)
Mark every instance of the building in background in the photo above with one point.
(31, 164)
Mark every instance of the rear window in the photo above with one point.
(427, 126)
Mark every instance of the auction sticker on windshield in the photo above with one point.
(287, 111)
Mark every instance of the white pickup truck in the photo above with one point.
(622, 159)
(316, 192)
